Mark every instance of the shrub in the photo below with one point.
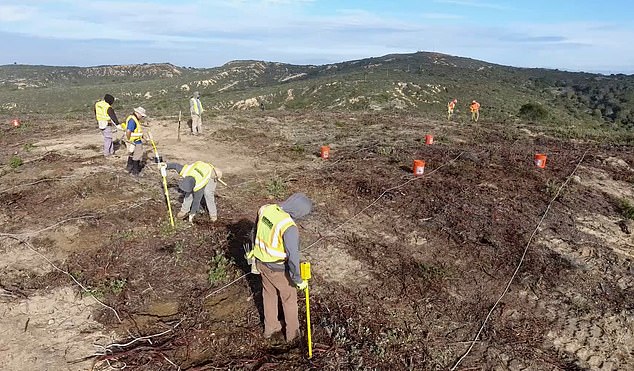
(218, 268)
(276, 187)
(533, 112)
(15, 162)
(626, 208)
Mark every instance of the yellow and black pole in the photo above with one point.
(163, 171)
(304, 270)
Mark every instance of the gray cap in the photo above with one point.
(196, 94)
(187, 184)
(298, 205)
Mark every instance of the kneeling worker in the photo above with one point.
(276, 253)
(199, 179)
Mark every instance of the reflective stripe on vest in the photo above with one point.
(137, 134)
(200, 171)
(101, 110)
(269, 238)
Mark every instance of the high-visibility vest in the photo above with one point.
(137, 134)
(451, 105)
(200, 171)
(475, 106)
(101, 110)
(197, 105)
(269, 240)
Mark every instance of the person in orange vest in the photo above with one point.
(475, 111)
(450, 106)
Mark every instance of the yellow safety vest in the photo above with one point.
(137, 134)
(200, 171)
(269, 241)
(195, 103)
(101, 110)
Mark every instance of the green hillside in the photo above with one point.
(419, 83)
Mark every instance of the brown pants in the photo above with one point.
(274, 284)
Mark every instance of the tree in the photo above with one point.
(533, 112)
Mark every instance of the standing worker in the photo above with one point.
(108, 122)
(450, 107)
(276, 253)
(134, 134)
(196, 110)
(475, 111)
(199, 179)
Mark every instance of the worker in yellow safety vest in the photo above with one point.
(134, 135)
(450, 107)
(196, 110)
(475, 111)
(199, 179)
(276, 255)
(108, 122)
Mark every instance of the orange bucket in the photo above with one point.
(540, 160)
(429, 139)
(15, 123)
(419, 167)
(325, 152)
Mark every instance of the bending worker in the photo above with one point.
(475, 111)
(199, 179)
(108, 122)
(134, 134)
(450, 107)
(276, 253)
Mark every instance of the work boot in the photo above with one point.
(128, 167)
(182, 214)
(213, 218)
(276, 338)
(136, 168)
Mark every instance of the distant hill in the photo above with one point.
(420, 82)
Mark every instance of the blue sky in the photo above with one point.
(576, 35)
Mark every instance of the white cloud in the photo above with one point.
(15, 13)
(281, 30)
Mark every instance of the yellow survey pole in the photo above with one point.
(164, 175)
(304, 269)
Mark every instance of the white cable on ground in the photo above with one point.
(519, 265)
(62, 271)
(381, 196)
(227, 285)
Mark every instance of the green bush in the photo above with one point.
(276, 187)
(533, 112)
(218, 268)
(117, 285)
(15, 162)
(626, 208)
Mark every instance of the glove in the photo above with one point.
(163, 168)
(191, 218)
(302, 285)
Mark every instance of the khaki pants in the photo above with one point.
(135, 150)
(276, 284)
(209, 191)
(197, 124)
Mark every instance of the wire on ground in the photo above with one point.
(519, 265)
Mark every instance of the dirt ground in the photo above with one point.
(405, 269)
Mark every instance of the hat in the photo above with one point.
(298, 205)
(108, 99)
(140, 111)
(187, 184)
(196, 94)
(473, 101)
